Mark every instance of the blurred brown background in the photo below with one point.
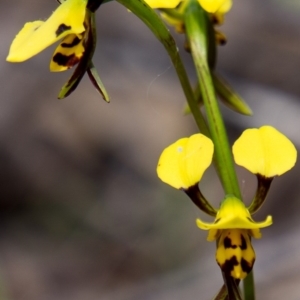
(83, 215)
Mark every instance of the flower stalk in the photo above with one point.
(196, 21)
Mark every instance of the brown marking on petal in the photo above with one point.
(62, 28)
(228, 243)
(244, 243)
(65, 60)
(197, 197)
(246, 266)
(229, 264)
(75, 42)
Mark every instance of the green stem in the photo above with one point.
(249, 291)
(157, 26)
(196, 21)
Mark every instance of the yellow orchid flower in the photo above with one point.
(66, 21)
(264, 151)
(233, 228)
(72, 23)
(183, 163)
(211, 6)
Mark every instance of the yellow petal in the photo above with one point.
(36, 36)
(213, 6)
(183, 163)
(264, 151)
(235, 254)
(68, 53)
(233, 214)
(163, 3)
(225, 7)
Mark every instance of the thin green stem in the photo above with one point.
(249, 291)
(157, 26)
(196, 22)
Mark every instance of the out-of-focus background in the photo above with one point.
(83, 215)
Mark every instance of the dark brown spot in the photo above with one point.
(214, 19)
(75, 42)
(222, 41)
(37, 28)
(229, 264)
(244, 243)
(62, 28)
(65, 60)
(93, 5)
(228, 244)
(246, 266)
(197, 197)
